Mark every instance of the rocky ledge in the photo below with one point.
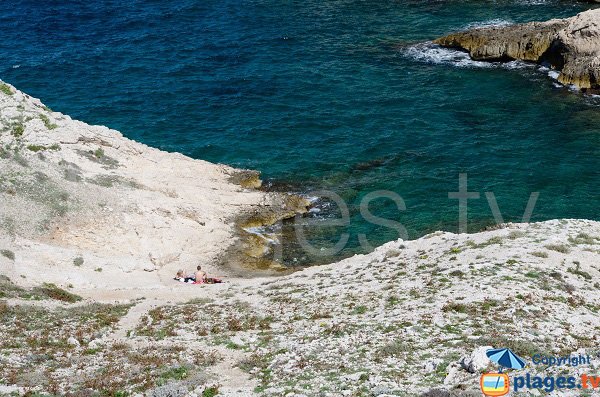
(571, 46)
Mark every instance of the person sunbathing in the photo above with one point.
(183, 278)
(200, 276)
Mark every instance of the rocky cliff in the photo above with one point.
(571, 46)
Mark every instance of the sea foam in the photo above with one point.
(486, 24)
(435, 54)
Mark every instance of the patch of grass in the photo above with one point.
(539, 254)
(54, 292)
(41, 148)
(78, 261)
(562, 248)
(473, 308)
(8, 254)
(455, 307)
(98, 156)
(233, 346)
(360, 310)
(4, 153)
(210, 391)
(577, 271)
(392, 349)
(392, 300)
(532, 274)
(18, 130)
(176, 373)
(36, 148)
(491, 241)
(515, 234)
(556, 275)
(49, 125)
(112, 180)
(255, 360)
(583, 238)
(5, 89)
(200, 301)
(37, 187)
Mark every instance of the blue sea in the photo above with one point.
(343, 95)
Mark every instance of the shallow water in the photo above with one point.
(347, 96)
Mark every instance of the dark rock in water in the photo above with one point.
(570, 45)
(367, 165)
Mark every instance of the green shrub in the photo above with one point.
(53, 292)
(532, 274)
(392, 349)
(455, 307)
(210, 391)
(39, 148)
(6, 89)
(36, 148)
(176, 373)
(577, 271)
(8, 254)
(539, 254)
(583, 238)
(18, 130)
(360, 310)
(562, 248)
(47, 122)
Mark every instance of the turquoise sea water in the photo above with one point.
(346, 96)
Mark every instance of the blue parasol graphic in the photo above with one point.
(505, 358)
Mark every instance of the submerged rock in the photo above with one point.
(571, 46)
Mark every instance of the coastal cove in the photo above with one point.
(350, 97)
(307, 199)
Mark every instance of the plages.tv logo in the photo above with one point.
(497, 383)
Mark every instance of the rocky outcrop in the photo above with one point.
(571, 46)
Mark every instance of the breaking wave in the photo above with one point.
(435, 54)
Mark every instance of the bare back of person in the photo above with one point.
(200, 276)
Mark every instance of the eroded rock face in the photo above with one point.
(570, 45)
(579, 44)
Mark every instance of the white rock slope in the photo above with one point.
(83, 206)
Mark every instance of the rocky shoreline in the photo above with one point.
(93, 226)
(127, 214)
(570, 46)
